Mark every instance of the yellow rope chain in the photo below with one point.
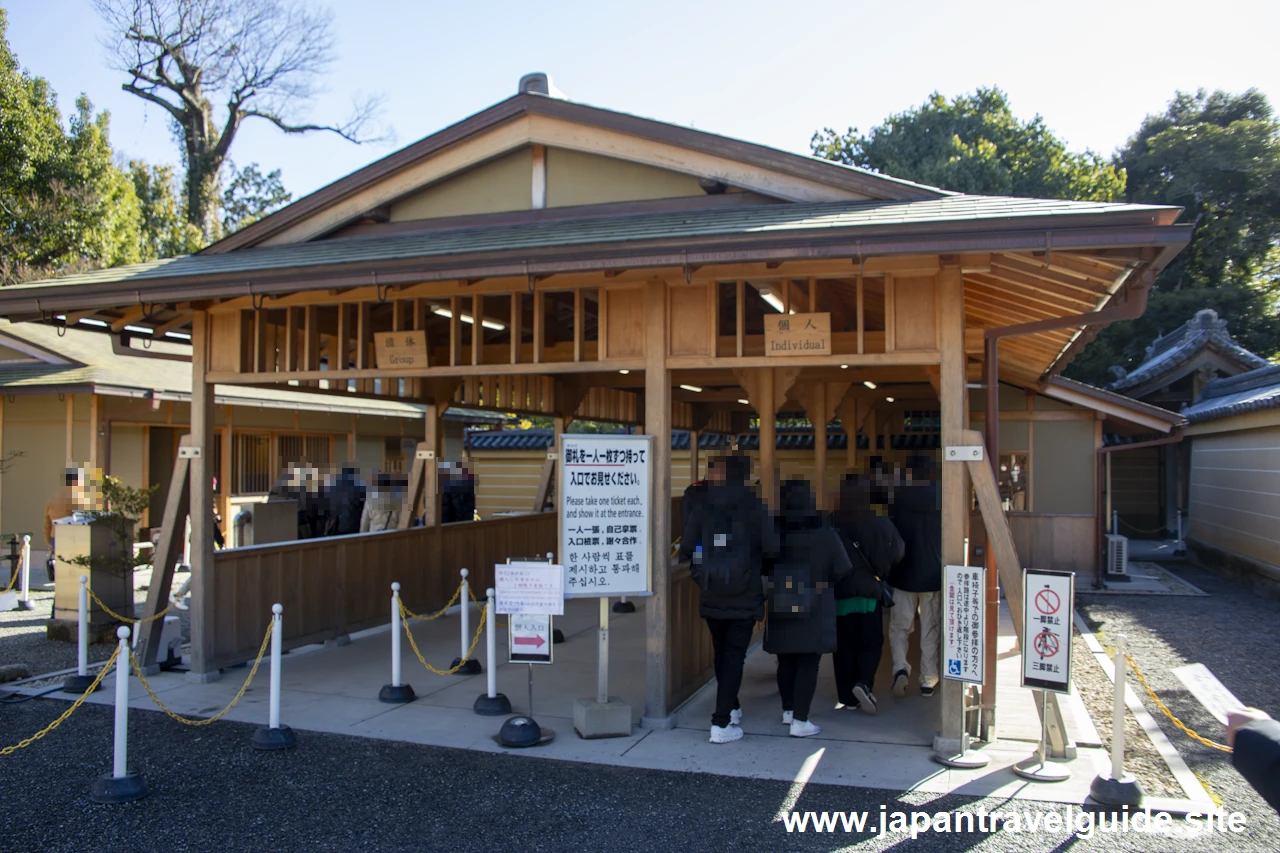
(404, 611)
(474, 641)
(218, 716)
(13, 581)
(10, 750)
(115, 615)
(1198, 738)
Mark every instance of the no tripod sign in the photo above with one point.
(1048, 604)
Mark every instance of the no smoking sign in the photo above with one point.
(1047, 607)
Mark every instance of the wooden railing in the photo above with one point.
(336, 585)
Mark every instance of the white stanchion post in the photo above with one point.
(1118, 788)
(396, 692)
(462, 665)
(80, 682)
(1117, 710)
(24, 599)
(120, 786)
(274, 735)
(491, 703)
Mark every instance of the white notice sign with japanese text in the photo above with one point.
(1048, 602)
(604, 514)
(963, 622)
(536, 588)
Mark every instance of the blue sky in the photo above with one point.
(769, 72)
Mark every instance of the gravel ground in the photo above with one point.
(211, 792)
(1232, 631)
(1098, 692)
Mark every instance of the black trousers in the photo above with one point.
(797, 682)
(859, 642)
(730, 639)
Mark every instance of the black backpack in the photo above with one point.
(730, 564)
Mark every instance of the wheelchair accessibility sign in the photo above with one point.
(964, 591)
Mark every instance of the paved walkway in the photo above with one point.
(334, 689)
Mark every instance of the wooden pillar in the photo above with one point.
(820, 442)
(432, 439)
(95, 424)
(201, 503)
(955, 488)
(657, 420)
(71, 423)
(351, 440)
(767, 409)
(694, 466)
(224, 475)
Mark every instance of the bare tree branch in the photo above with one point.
(226, 61)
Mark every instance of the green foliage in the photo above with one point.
(250, 196)
(1217, 156)
(64, 204)
(124, 507)
(164, 229)
(974, 144)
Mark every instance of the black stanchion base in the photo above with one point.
(492, 706)
(108, 790)
(268, 738)
(78, 684)
(1125, 791)
(557, 636)
(520, 732)
(624, 607)
(396, 694)
(470, 666)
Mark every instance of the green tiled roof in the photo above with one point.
(809, 219)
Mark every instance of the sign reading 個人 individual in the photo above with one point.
(1048, 602)
(604, 504)
(963, 623)
(797, 334)
(400, 350)
(533, 588)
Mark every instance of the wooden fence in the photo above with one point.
(336, 585)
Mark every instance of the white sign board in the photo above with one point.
(604, 514)
(1048, 603)
(964, 611)
(535, 588)
(529, 638)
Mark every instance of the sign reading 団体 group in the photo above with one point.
(797, 334)
(400, 350)
(528, 588)
(1048, 602)
(604, 514)
(963, 622)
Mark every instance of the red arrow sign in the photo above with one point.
(537, 642)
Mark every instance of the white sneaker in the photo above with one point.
(735, 717)
(179, 603)
(787, 716)
(900, 684)
(803, 728)
(725, 734)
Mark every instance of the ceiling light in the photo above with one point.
(624, 372)
(745, 402)
(869, 384)
(140, 330)
(694, 388)
(467, 318)
(774, 301)
(92, 322)
(844, 367)
(182, 336)
(888, 399)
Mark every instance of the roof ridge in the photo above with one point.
(1248, 381)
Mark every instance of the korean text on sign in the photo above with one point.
(604, 514)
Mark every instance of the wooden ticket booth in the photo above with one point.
(547, 258)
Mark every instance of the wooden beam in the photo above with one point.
(514, 327)
(203, 641)
(171, 326)
(740, 306)
(579, 321)
(540, 326)
(130, 316)
(168, 551)
(657, 421)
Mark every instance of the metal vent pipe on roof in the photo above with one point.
(539, 83)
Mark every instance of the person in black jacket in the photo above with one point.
(1255, 741)
(917, 581)
(727, 541)
(874, 548)
(802, 606)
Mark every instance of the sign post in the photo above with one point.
(529, 594)
(964, 594)
(605, 524)
(1048, 603)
